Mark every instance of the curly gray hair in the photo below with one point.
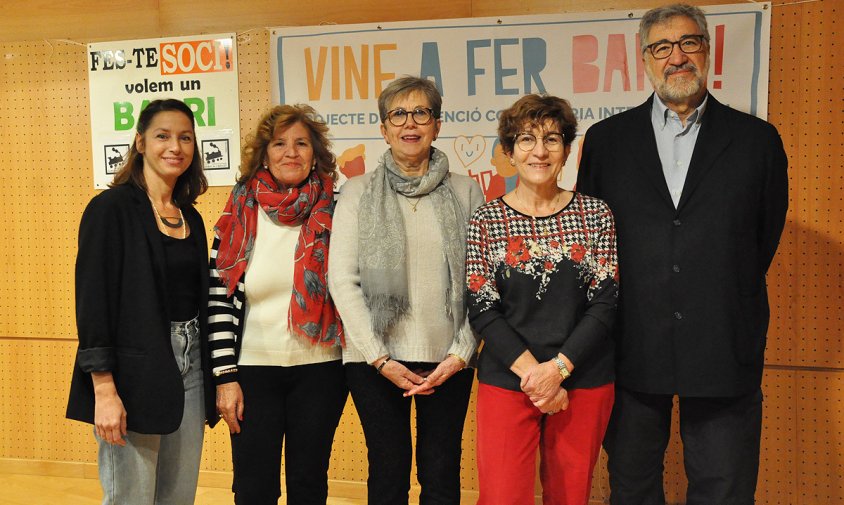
(662, 14)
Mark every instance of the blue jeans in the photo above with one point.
(161, 469)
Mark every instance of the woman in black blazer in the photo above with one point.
(141, 300)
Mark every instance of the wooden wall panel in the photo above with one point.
(75, 19)
(44, 145)
(178, 15)
(820, 437)
(483, 8)
(820, 240)
(34, 382)
(45, 182)
(806, 281)
(89, 20)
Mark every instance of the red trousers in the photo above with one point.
(510, 430)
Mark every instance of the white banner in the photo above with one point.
(483, 65)
(201, 70)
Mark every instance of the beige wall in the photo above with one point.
(45, 182)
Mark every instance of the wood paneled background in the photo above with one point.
(45, 182)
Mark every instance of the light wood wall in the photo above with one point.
(45, 182)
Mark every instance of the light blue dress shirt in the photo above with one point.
(675, 143)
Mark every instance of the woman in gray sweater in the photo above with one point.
(396, 273)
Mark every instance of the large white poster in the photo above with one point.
(201, 70)
(483, 65)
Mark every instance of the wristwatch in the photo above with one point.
(561, 366)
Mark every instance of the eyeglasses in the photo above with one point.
(689, 44)
(552, 142)
(421, 116)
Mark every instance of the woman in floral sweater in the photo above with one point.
(543, 280)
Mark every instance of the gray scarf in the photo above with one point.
(382, 241)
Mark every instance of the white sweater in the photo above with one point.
(268, 286)
(427, 333)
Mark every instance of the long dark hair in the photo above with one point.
(190, 184)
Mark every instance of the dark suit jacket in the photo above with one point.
(693, 308)
(121, 313)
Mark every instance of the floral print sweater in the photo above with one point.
(545, 284)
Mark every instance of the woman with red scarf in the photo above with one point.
(274, 334)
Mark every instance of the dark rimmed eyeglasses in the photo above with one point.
(689, 44)
(552, 141)
(421, 116)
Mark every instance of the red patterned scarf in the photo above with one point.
(312, 314)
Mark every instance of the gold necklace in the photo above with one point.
(179, 224)
(413, 205)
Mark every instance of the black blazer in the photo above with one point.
(693, 306)
(122, 317)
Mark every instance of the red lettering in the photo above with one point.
(640, 65)
(616, 62)
(584, 73)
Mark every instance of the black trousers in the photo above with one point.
(720, 447)
(385, 416)
(298, 407)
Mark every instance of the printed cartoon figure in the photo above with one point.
(469, 149)
(505, 178)
(352, 161)
(502, 179)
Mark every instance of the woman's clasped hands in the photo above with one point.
(419, 382)
(542, 385)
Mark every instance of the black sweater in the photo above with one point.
(547, 285)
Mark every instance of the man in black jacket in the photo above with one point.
(699, 192)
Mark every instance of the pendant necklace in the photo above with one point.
(413, 205)
(164, 220)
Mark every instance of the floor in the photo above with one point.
(39, 490)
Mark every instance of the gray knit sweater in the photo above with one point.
(427, 334)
